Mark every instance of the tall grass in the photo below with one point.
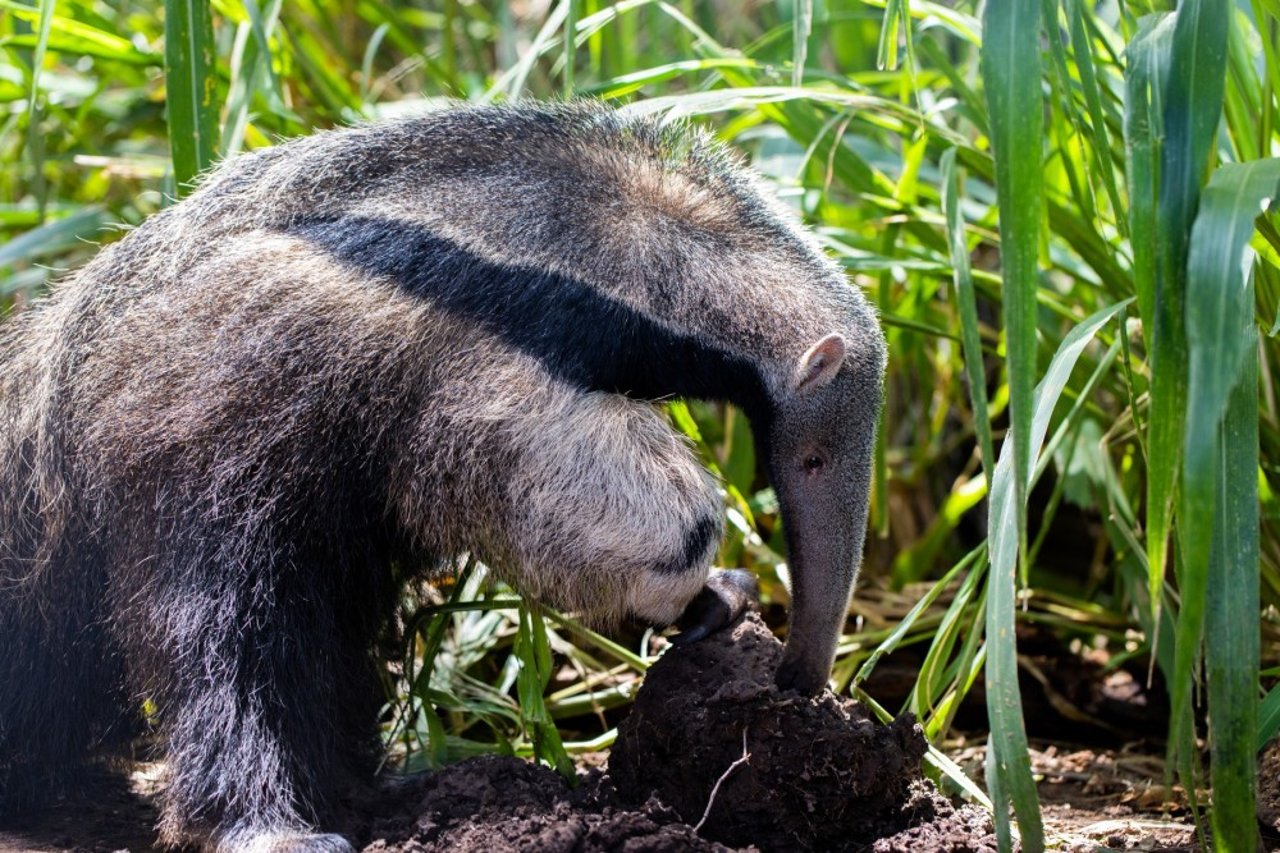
(1010, 66)
(1057, 207)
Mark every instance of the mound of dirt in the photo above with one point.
(504, 805)
(819, 775)
(710, 735)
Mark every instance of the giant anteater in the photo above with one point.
(388, 346)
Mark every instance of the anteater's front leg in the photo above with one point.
(616, 518)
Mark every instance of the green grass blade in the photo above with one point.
(366, 62)
(1004, 703)
(1267, 15)
(801, 25)
(1243, 94)
(739, 467)
(534, 653)
(512, 82)
(879, 519)
(1218, 505)
(1000, 801)
(38, 55)
(262, 23)
(970, 661)
(1082, 50)
(967, 305)
(1011, 71)
(254, 63)
(1145, 72)
(887, 51)
(956, 619)
(239, 95)
(35, 108)
(190, 88)
(53, 236)
(1047, 393)
(953, 771)
(1067, 132)
(77, 36)
(1231, 625)
(1219, 314)
(1268, 718)
(1192, 109)
(337, 92)
(908, 622)
(570, 45)
(625, 84)
(587, 635)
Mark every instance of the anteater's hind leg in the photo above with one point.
(258, 650)
(61, 694)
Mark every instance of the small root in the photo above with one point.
(746, 757)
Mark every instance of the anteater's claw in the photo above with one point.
(690, 635)
(727, 595)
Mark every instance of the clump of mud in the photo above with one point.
(820, 775)
(806, 773)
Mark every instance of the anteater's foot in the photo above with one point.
(727, 595)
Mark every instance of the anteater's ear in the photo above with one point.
(820, 364)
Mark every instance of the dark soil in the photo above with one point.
(498, 804)
(1093, 801)
(819, 774)
(797, 773)
(110, 814)
(1269, 794)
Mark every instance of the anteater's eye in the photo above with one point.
(812, 463)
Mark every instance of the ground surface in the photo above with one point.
(816, 775)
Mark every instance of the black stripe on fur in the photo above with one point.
(697, 540)
(580, 335)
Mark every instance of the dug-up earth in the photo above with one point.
(712, 758)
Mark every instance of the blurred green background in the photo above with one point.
(1131, 147)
